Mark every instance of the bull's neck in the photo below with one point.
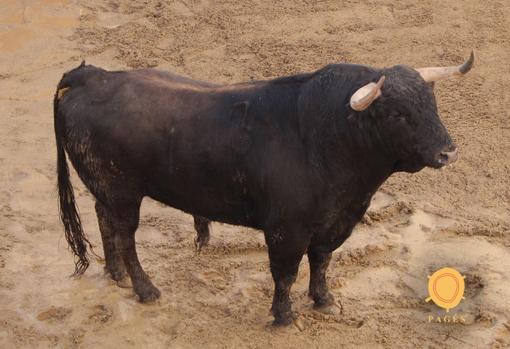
(355, 159)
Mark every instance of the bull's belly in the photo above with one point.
(227, 205)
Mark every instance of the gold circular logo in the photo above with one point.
(446, 288)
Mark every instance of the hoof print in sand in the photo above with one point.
(54, 314)
(100, 314)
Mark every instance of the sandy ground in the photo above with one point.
(456, 217)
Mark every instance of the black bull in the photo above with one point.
(287, 156)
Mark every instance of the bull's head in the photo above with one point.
(408, 114)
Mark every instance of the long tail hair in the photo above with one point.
(67, 206)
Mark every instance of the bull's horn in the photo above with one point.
(431, 74)
(364, 96)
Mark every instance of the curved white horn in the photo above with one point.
(364, 96)
(431, 74)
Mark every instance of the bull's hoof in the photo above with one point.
(284, 319)
(124, 282)
(330, 309)
(201, 241)
(148, 295)
(322, 299)
(117, 275)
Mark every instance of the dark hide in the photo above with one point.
(287, 156)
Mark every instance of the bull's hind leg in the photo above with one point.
(113, 260)
(124, 220)
(202, 226)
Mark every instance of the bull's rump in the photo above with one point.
(163, 137)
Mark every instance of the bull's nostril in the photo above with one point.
(448, 157)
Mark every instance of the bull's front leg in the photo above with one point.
(284, 274)
(319, 256)
(318, 289)
(286, 249)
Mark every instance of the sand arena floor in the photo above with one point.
(458, 216)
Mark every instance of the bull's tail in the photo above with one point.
(67, 206)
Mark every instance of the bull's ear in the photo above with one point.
(365, 95)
